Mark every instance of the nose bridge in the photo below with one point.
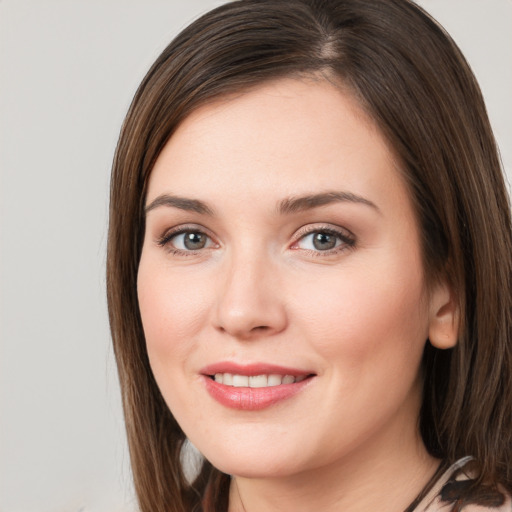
(249, 300)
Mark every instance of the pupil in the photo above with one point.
(324, 241)
(194, 241)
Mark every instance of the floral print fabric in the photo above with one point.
(452, 493)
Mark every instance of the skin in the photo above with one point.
(259, 291)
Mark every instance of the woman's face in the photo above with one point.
(282, 254)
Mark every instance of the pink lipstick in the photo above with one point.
(255, 386)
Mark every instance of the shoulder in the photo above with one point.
(454, 491)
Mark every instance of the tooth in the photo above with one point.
(255, 381)
(240, 381)
(258, 381)
(274, 380)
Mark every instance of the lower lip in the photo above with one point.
(253, 399)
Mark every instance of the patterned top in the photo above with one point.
(449, 493)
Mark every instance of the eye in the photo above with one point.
(320, 241)
(186, 240)
(190, 241)
(324, 240)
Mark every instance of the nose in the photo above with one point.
(250, 299)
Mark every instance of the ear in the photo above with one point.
(444, 317)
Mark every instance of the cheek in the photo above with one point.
(172, 311)
(366, 311)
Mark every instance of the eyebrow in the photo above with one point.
(297, 204)
(286, 206)
(182, 203)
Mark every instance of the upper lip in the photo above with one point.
(252, 369)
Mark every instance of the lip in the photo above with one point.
(252, 399)
(252, 369)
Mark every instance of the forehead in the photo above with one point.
(287, 137)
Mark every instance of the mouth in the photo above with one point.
(256, 381)
(253, 387)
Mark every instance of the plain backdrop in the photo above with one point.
(68, 70)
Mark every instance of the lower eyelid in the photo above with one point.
(345, 240)
(209, 242)
(345, 237)
(169, 234)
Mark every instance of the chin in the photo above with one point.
(256, 462)
(258, 469)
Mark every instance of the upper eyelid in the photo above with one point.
(169, 233)
(347, 238)
(181, 228)
(315, 228)
(303, 231)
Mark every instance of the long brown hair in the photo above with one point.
(411, 78)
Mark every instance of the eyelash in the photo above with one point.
(346, 238)
(165, 240)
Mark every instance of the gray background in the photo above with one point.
(68, 70)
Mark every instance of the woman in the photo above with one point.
(309, 271)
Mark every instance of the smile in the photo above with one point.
(253, 387)
(256, 381)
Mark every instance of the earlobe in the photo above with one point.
(444, 317)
